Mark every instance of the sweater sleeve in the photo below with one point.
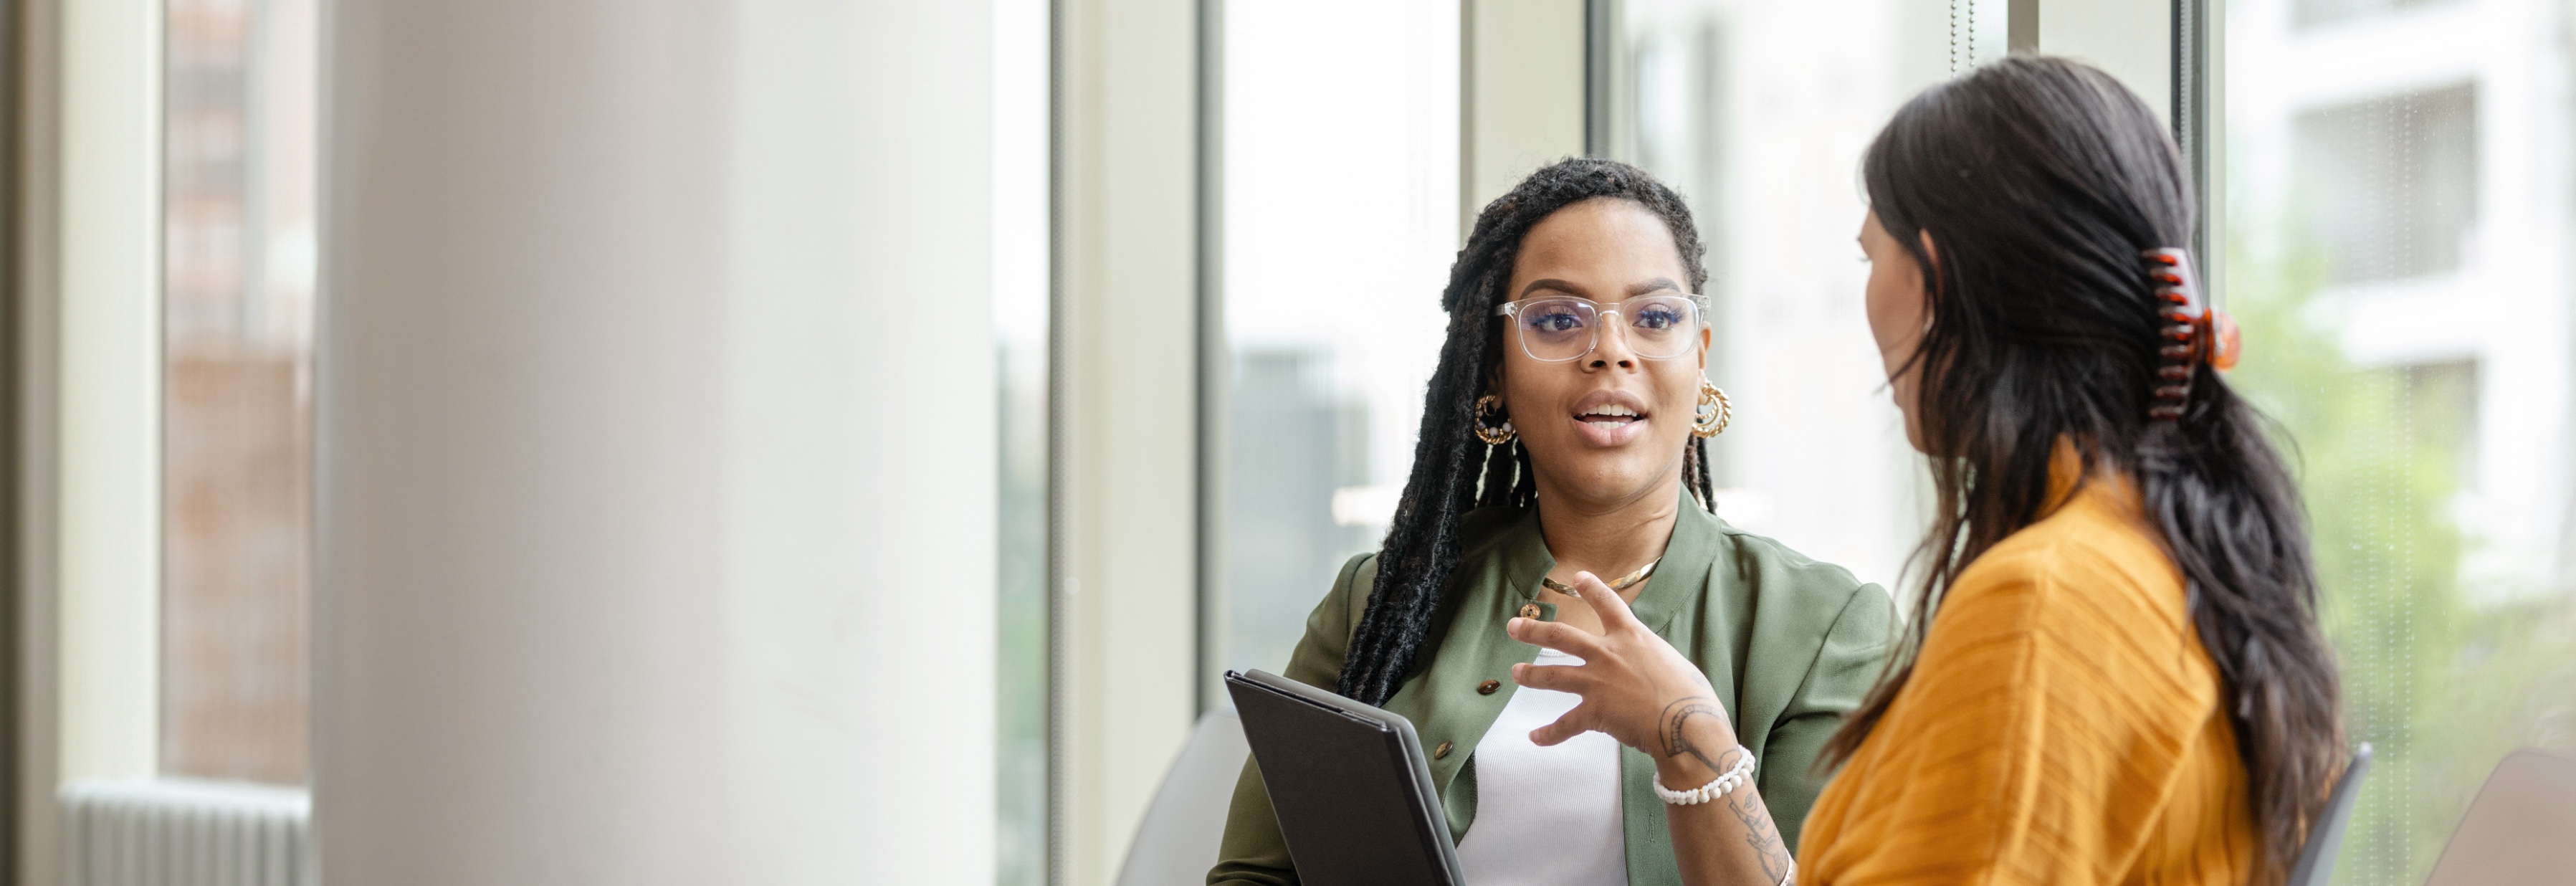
(1253, 853)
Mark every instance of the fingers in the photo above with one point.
(1562, 678)
(1575, 722)
(1554, 635)
(1605, 602)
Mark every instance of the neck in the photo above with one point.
(1608, 538)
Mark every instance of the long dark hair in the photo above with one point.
(2041, 182)
(1422, 544)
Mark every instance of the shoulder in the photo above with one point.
(1764, 556)
(1359, 570)
(1801, 613)
(2092, 563)
(1352, 585)
(1777, 573)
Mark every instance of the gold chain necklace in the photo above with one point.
(1616, 585)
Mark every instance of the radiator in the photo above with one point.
(175, 832)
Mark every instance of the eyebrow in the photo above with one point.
(1555, 284)
(1655, 285)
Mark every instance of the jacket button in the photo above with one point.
(1441, 752)
(1488, 687)
(1529, 610)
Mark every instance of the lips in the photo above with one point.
(1610, 417)
(1613, 414)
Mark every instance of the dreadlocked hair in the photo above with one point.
(1453, 470)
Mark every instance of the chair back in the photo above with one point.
(2325, 835)
(2520, 829)
(1176, 844)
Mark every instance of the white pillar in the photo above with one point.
(1127, 444)
(656, 443)
(1522, 96)
(109, 442)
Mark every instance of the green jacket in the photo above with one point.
(1790, 644)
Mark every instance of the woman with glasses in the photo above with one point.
(1561, 478)
(2114, 672)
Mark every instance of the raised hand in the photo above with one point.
(1643, 692)
(1635, 687)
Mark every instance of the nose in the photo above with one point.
(1612, 348)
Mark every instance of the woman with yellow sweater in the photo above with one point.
(2114, 671)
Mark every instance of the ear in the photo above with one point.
(1931, 253)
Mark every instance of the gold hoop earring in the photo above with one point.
(1709, 420)
(1492, 404)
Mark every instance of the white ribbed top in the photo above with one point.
(1544, 816)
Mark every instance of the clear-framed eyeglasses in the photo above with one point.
(1557, 328)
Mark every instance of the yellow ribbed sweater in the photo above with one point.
(2062, 726)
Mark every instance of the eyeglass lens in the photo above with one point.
(1560, 329)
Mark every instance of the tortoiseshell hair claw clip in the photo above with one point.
(2191, 331)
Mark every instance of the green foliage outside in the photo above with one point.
(2442, 674)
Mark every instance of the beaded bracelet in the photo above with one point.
(1725, 784)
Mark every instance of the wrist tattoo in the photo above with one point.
(1676, 743)
(1762, 835)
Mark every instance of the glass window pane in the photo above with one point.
(237, 411)
(2396, 225)
(2389, 182)
(2309, 13)
(1758, 112)
(1021, 313)
(1341, 195)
